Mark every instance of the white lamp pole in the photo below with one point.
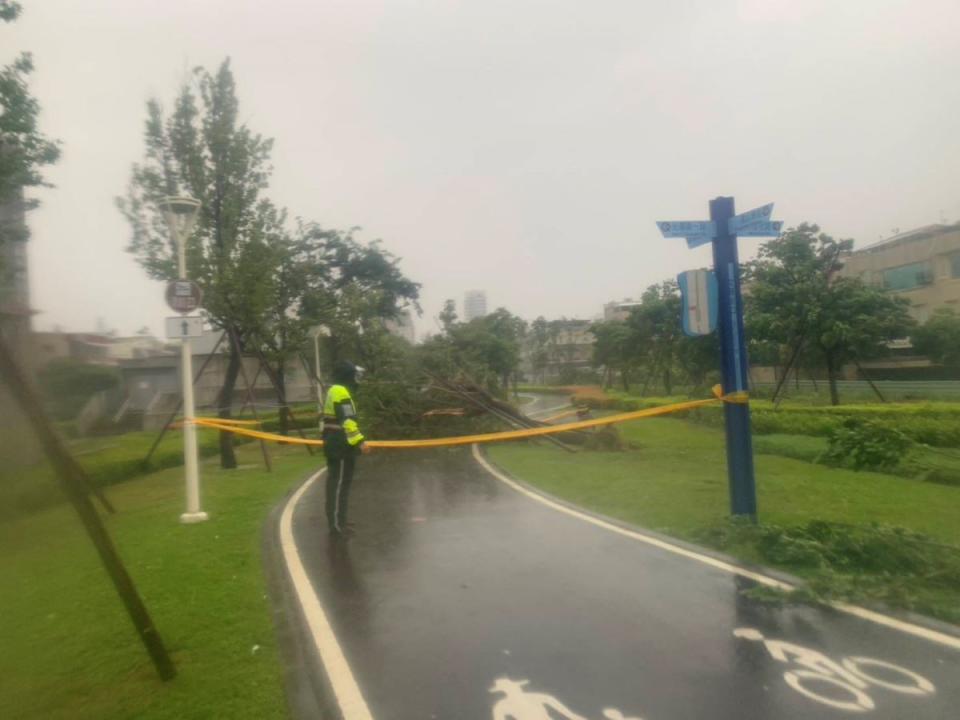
(181, 214)
(320, 330)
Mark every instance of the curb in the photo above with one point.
(308, 692)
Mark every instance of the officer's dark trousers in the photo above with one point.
(339, 477)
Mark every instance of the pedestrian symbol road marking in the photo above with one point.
(520, 704)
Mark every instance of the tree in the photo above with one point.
(539, 338)
(203, 150)
(24, 150)
(795, 298)
(487, 349)
(939, 337)
(656, 326)
(613, 350)
(352, 288)
(448, 316)
(490, 345)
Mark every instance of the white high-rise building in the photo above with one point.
(402, 326)
(474, 304)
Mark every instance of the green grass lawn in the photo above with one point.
(69, 650)
(675, 481)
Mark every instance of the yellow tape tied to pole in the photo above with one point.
(235, 426)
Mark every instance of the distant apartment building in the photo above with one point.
(474, 304)
(96, 348)
(922, 265)
(568, 350)
(84, 347)
(402, 326)
(619, 310)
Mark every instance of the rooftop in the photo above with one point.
(910, 236)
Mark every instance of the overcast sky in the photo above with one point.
(524, 147)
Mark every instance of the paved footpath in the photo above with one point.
(464, 596)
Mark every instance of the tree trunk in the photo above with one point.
(625, 379)
(228, 458)
(667, 384)
(832, 377)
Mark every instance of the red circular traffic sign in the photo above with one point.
(183, 296)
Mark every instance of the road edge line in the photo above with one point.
(347, 693)
(855, 610)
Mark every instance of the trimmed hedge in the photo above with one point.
(936, 424)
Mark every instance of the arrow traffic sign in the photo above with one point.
(738, 222)
(697, 240)
(767, 228)
(684, 229)
(184, 326)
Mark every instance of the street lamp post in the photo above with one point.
(318, 332)
(181, 214)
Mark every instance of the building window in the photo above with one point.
(907, 277)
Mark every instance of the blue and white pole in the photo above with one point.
(734, 365)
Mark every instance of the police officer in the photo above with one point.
(342, 442)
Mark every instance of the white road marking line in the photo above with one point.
(348, 695)
(863, 613)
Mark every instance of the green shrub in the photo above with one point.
(866, 445)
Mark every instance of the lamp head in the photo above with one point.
(180, 214)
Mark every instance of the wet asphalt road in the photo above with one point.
(456, 583)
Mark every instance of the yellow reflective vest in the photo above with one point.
(340, 413)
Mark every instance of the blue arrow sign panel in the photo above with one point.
(738, 222)
(672, 229)
(768, 228)
(697, 240)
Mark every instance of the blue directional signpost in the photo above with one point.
(722, 230)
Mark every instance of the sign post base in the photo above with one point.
(189, 518)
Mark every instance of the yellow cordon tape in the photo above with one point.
(222, 421)
(233, 426)
(562, 415)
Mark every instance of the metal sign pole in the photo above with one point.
(733, 361)
(722, 230)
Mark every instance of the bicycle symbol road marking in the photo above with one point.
(853, 676)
